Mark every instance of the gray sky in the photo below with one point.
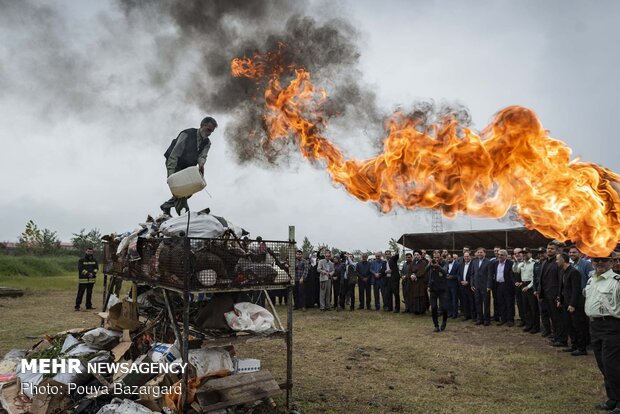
(83, 131)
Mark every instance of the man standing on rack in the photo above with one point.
(190, 148)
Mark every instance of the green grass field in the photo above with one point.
(366, 361)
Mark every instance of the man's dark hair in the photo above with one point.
(565, 257)
(299, 251)
(89, 248)
(208, 120)
(408, 254)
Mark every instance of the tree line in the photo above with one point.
(45, 242)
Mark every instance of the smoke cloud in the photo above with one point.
(146, 55)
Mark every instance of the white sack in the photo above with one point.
(247, 316)
(201, 224)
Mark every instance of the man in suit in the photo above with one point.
(391, 274)
(502, 281)
(495, 257)
(451, 266)
(377, 281)
(549, 292)
(466, 294)
(482, 291)
(573, 305)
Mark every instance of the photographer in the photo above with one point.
(438, 290)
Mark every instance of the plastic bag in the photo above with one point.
(209, 360)
(247, 316)
(84, 377)
(11, 360)
(118, 406)
(73, 347)
(201, 224)
(101, 338)
(113, 300)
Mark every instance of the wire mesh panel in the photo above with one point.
(225, 263)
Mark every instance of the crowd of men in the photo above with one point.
(546, 286)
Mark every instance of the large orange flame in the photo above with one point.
(513, 162)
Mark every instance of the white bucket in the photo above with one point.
(186, 182)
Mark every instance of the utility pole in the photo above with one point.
(437, 222)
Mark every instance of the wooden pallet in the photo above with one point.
(237, 389)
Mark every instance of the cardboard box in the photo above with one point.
(123, 315)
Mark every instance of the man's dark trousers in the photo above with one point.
(379, 293)
(505, 301)
(88, 288)
(605, 339)
(467, 301)
(347, 289)
(393, 293)
(453, 297)
(483, 304)
(532, 312)
(520, 303)
(364, 293)
(299, 295)
(577, 327)
(557, 321)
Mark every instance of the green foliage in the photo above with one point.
(37, 265)
(306, 247)
(394, 246)
(83, 240)
(36, 241)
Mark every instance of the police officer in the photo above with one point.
(602, 305)
(190, 148)
(87, 272)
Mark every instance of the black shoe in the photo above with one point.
(559, 344)
(500, 323)
(568, 349)
(478, 323)
(510, 324)
(360, 307)
(76, 309)
(527, 329)
(579, 352)
(91, 308)
(436, 329)
(606, 406)
(546, 334)
(520, 324)
(443, 327)
(534, 331)
(487, 323)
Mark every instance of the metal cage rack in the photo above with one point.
(191, 266)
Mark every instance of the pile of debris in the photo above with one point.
(132, 364)
(215, 253)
